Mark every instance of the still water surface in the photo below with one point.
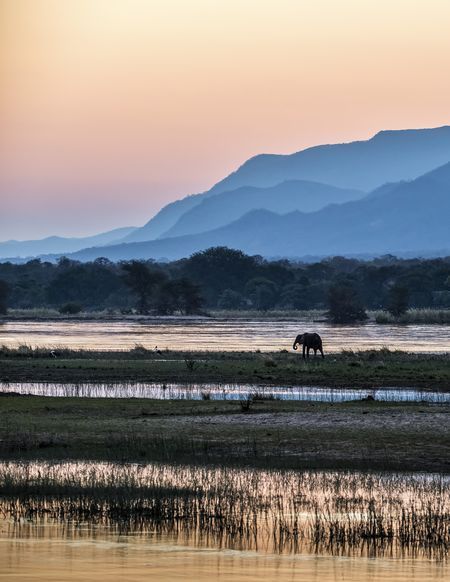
(216, 335)
(222, 392)
(34, 553)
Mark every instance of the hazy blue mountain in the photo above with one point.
(58, 244)
(389, 156)
(411, 217)
(227, 207)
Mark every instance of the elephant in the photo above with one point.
(309, 341)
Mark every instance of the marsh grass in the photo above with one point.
(334, 511)
(438, 316)
(361, 369)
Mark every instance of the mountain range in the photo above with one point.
(60, 244)
(410, 217)
(390, 193)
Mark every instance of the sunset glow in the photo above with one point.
(111, 108)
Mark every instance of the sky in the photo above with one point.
(111, 108)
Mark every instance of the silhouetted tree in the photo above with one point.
(142, 281)
(4, 294)
(344, 304)
(398, 300)
(70, 308)
(219, 268)
(230, 299)
(178, 295)
(100, 284)
(262, 293)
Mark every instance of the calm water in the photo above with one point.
(34, 553)
(207, 334)
(236, 527)
(222, 392)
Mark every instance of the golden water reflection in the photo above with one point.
(218, 335)
(104, 521)
(53, 554)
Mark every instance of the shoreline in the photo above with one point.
(422, 316)
(347, 369)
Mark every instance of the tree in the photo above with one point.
(344, 304)
(142, 281)
(178, 295)
(398, 300)
(230, 299)
(4, 294)
(70, 308)
(262, 292)
(219, 268)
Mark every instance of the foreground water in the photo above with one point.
(218, 335)
(221, 392)
(34, 553)
(99, 521)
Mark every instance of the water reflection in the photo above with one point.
(104, 556)
(83, 521)
(222, 392)
(215, 335)
(334, 512)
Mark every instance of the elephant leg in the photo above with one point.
(304, 349)
(321, 351)
(307, 352)
(315, 352)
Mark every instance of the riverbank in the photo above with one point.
(365, 369)
(412, 316)
(48, 314)
(363, 434)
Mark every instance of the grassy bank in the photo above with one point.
(50, 314)
(364, 369)
(360, 434)
(439, 316)
(412, 316)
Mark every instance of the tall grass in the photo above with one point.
(305, 314)
(415, 316)
(275, 510)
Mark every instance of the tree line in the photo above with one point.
(222, 278)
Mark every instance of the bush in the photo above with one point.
(230, 299)
(344, 304)
(4, 294)
(398, 298)
(70, 308)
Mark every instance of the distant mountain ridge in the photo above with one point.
(411, 216)
(270, 185)
(389, 156)
(223, 208)
(58, 244)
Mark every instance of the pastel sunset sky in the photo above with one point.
(111, 108)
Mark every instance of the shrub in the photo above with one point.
(70, 308)
(344, 304)
(398, 298)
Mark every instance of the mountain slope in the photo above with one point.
(58, 244)
(389, 156)
(227, 207)
(412, 217)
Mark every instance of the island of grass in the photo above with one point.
(278, 434)
(364, 369)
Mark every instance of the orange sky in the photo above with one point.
(110, 108)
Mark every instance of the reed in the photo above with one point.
(334, 511)
(438, 316)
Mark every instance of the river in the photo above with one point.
(222, 335)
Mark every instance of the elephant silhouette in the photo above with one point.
(309, 341)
